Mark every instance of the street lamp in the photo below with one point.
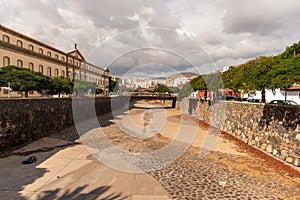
(8, 93)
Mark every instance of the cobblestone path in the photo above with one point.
(193, 178)
(216, 176)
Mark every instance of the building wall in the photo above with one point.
(69, 64)
(274, 129)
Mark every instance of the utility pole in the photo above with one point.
(8, 93)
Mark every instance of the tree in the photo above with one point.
(233, 79)
(21, 79)
(174, 89)
(254, 75)
(185, 91)
(292, 51)
(198, 83)
(161, 88)
(113, 85)
(284, 74)
(99, 91)
(83, 87)
(61, 85)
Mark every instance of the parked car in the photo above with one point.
(283, 102)
(254, 100)
(230, 98)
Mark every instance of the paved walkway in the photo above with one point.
(67, 170)
(70, 172)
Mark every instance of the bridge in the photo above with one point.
(151, 96)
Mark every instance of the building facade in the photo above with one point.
(23, 51)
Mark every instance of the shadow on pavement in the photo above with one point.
(77, 194)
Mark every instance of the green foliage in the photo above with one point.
(113, 86)
(174, 89)
(285, 73)
(99, 91)
(291, 52)
(185, 91)
(198, 83)
(21, 79)
(213, 81)
(233, 78)
(161, 88)
(81, 87)
(61, 85)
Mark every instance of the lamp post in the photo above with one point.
(8, 93)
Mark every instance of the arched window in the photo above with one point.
(31, 66)
(30, 47)
(40, 51)
(70, 61)
(6, 61)
(49, 53)
(63, 59)
(63, 73)
(56, 56)
(56, 73)
(19, 43)
(49, 71)
(41, 69)
(5, 38)
(19, 63)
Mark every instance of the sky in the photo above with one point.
(159, 37)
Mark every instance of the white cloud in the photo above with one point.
(229, 31)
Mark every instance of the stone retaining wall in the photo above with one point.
(274, 129)
(25, 120)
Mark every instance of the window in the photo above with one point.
(49, 53)
(19, 63)
(49, 71)
(6, 61)
(40, 51)
(56, 73)
(5, 38)
(70, 61)
(30, 47)
(77, 63)
(63, 73)
(56, 56)
(41, 69)
(31, 66)
(76, 76)
(63, 59)
(19, 43)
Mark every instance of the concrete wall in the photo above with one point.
(25, 120)
(271, 128)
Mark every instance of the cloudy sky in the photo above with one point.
(159, 37)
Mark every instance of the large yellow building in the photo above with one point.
(23, 51)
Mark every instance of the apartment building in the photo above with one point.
(23, 51)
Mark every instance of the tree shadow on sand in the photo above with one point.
(78, 195)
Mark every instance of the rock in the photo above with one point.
(269, 148)
(263, 146)
(297, 162)
(274, 152)
(283, 154)
(289, 160)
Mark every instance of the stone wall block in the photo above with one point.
(274, 129)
